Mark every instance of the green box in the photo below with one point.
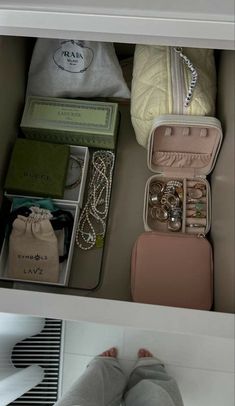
(37, 169)
(76, 122)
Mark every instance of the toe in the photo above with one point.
(111, 352)
(143, 353)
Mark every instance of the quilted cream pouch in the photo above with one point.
(168, 80)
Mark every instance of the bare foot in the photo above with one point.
(143, 353)
(111, 352)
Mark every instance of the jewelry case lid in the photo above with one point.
(181, 145)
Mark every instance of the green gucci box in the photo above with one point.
(37, 169)
(75, 122)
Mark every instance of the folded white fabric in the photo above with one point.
(169, 80)
(69, 68)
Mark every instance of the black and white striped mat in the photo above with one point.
(43, 349)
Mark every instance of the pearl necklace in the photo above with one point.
(91, 224)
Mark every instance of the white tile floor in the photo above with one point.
(203, 366)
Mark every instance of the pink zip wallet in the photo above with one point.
(172, 270)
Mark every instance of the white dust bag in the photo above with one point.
(68, 68)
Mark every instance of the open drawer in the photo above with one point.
(125, 217)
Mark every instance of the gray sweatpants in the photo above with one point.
(104, 384)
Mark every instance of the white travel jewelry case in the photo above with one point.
(184, 148)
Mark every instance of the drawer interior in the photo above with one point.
(125, 221)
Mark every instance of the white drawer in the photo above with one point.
(111, 302)
(119, 313)
(185, 22)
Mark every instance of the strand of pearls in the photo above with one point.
(194, 78)
(92, 221)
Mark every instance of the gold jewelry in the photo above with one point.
(194, 193)
(172, 200)
(154, 199)
(196, 225)
(199, 214)
(174, 224)
(165, 200)
(156, 187)
(180, 192)
(159, 213)
(191, 200)
(200, 186)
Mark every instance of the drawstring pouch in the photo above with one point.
(33, 248)
(75, 68)
(61, 221)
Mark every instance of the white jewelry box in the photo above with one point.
(64, 266)
(183, 148)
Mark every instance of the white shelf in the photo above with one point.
(208, 23)
(135, 315)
